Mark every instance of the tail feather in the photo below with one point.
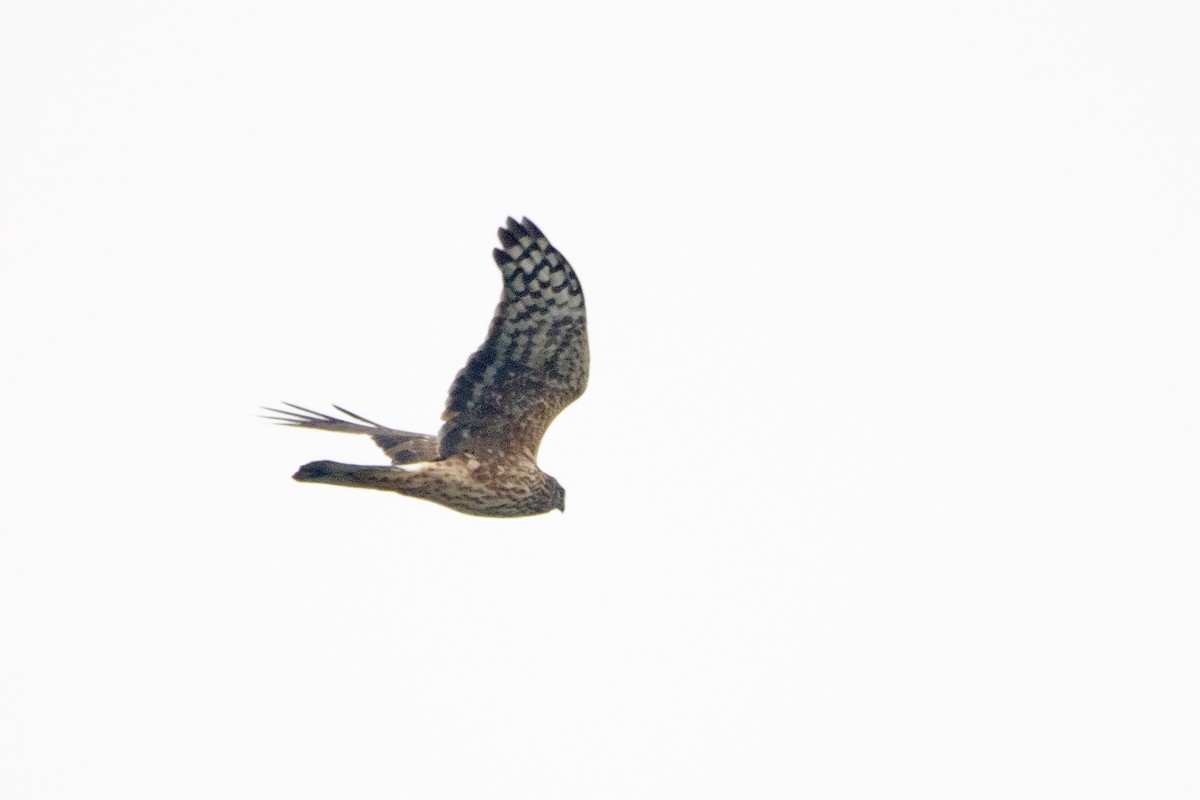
(402, 447)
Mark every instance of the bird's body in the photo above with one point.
(532, 365)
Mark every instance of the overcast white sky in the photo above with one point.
(885, 484)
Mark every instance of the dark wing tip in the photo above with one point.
(516, 229)
(506, 238)
(314, 471)
(501, 257)
(297, 419)
(534, 229)
(356, 416)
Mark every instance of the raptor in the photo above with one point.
(532, 365)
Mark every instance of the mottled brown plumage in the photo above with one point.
(532, 365)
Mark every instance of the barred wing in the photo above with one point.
(534, 362)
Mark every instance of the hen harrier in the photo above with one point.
(532, 365)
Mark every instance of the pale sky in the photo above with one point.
(884, 486)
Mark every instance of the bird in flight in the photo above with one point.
(532, 365)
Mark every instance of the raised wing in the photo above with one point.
(402, 447)
(534, 362)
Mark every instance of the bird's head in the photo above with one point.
(558, 495)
